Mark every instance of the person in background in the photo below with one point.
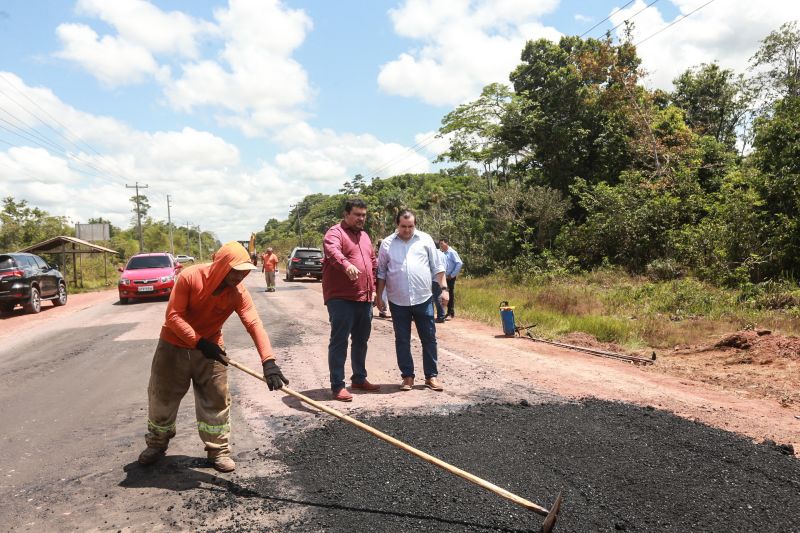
(191, 351)
(452, 269)
(381, 314)
(348, 289)
(437, 291)
(407, 262)
(269, 265)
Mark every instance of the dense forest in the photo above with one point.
(579, 165)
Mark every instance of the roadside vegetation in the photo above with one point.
(631, 311)
(22, 225)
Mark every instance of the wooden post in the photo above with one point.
(74, 268)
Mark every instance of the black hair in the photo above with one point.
(354, 202)
(444, 240)
(405, 213)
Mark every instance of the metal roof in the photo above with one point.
(55, 245)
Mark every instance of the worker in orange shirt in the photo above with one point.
(269, 265)
(191, 350)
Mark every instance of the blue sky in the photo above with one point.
(238, 108)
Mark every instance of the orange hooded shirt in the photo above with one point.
(194, 311)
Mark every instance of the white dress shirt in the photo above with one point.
(408, 267)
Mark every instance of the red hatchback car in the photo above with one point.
(148, 276)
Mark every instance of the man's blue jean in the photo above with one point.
(437, 300)
(422, 316)
(348, 319)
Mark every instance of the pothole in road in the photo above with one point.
(619, 467)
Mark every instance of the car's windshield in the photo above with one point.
(148, 261)
(308, 254)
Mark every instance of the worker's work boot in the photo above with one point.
(150, 455)
(222, 463)
(407, 384)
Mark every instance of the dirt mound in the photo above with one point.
(762, 345)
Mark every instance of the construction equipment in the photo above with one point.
(550, 514)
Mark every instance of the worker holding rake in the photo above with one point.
(191, 350)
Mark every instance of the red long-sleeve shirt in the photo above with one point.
(344, 246)
(194, 311)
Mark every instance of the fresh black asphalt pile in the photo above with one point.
(620, 468)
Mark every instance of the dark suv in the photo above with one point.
(27, 279)
(304, 262)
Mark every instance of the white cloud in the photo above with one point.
(729, 32)
(583, 18)
(465, 45)
(329, 159)
(143, 24)
(111, 60)
(256, 81)
(202, 173)
(26, 164)
(252, 83)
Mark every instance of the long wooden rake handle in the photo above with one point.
(551, 514)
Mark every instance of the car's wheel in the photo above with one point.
(7, 308)
(62, 295)
(34, 303)
(123, 301)
(289, 277)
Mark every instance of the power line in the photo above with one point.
(628, 19)
(673, 23)
(605, 19)
(408, 152)
(107, 170)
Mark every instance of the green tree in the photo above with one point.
(476, 130)
(22, 225)
(777, 155)
(777, 63)
(140, 208)
(576, 116)
(715, 100)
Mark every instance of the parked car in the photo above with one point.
(27, 279)
(304, 262)
(148, 276)
(180, 258)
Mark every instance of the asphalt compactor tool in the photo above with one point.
(550, 514)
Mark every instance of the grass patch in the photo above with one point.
(616, 307)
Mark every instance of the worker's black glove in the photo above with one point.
(212, 351)
(273, 375)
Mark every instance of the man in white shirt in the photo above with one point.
(407, 265)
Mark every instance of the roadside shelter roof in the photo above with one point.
(59, 244)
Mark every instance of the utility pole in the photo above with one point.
(169, 225)
(188, 241)
(200, 241)
(138, 212)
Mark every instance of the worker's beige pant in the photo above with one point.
(270, 278)
(172, 370)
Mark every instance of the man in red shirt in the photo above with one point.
(269, 263)
(191, 351)
(348, 288)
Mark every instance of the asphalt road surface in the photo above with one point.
(73, 386)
